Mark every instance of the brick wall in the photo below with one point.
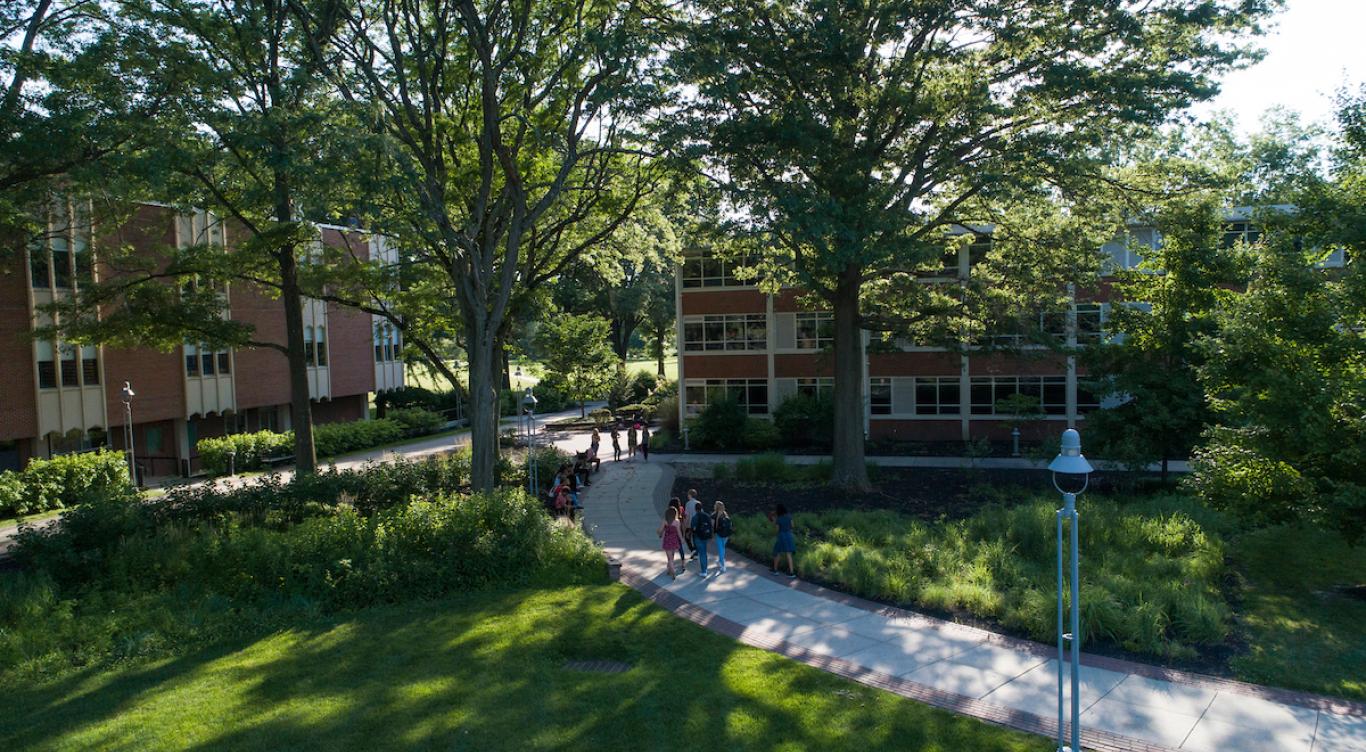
(262, 376)
(18, 407)
(341, 409)
(725, 366)
(723, 301)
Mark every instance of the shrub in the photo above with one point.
(640, 386)
(63, 481)
(721, 425)
(1230, 476)
(803, 420)
(252, 450)
(551, 394)
(645, 411)
(667, 412)
(416, 419)
(601, 416)
(760, 434)
(332, 439)
(662, 440)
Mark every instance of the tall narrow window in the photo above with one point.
(308, 345)
(85, 263)
(191, 360)
(880, 396)
(225, 362)
(70, 368)
(379, 344)
(322, 346)
(47, 366)
(388, 343)
(90, 365)
(61, 261)
(206, 357)
(39, 266)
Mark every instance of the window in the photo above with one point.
(986, 391)
(90, 365)
(61, 261)
(379, 343)
(322, 346)
(1090, 323)
(224, 362)
(819, 388)
(815, 330)
(937, 395)
(880, 396)
(388, 343)
(1236, 232)
(308, 345)
(751, 394)
(744, 331)
(47, 366)
(191, 360)
(702, 269)
(85, 263)
(70, 366)
(39, 266)
(206, 357)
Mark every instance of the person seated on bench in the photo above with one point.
(591, 459)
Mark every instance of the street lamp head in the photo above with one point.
(528, 399)
(127, 392)
(1070, 467)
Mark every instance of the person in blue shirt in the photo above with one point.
(785, 542)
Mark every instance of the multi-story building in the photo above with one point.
(61, 398)
(760, 349)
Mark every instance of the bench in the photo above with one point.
(282, 459)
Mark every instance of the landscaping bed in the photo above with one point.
(1164, 579)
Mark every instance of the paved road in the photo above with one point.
(1126, 706)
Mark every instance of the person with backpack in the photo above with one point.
(645, 441)
(690, 510)
(701, 533)
(670, 536)
(722, 528)
(784, 542)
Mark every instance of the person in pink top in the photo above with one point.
(671, 536)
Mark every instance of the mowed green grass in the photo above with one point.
(420, 376)
(484, 672)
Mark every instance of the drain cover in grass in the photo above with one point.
(598, 667)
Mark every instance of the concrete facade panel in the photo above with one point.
(916, 430)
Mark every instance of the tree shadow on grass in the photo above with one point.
(484, 672)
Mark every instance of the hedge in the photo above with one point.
(330, 439)
(63, 481)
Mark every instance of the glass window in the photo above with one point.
(39, 266)
(206, 356)
(746, 331)
(152, 438)
(1090, 327)
(70, 366)
(815, 330)
(224, 362)
(61, 261)
(937, 395)
(85, 263)
(820, 388)
(308, 345)
(751, 394)
(880, 396)
(1054, 394)
(90, 365)
(702, 269)
(322, 346)
(191, 360)
(981, 396)
(47, 366)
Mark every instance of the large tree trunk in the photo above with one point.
(300, 408)
(483, 409)
(621, 337)
(850, 469)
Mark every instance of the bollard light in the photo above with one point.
(128, 396)
(529, 408)
(1071, 474)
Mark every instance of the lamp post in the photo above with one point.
(128, 395)
(1071, 473)
(529, 406)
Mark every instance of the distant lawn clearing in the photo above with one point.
(484, 672)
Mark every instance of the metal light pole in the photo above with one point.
(529, 405)
(1073, 467)
(128, 395)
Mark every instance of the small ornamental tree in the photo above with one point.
(577, 351)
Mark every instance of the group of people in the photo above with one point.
(687, 524)
(637, 439)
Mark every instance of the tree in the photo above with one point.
(576, 353)
(508, 125)
(1160, 313)
(853, 135)
(1286, 369)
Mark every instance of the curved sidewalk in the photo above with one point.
(1126, 706)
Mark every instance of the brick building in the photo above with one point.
(63, 398)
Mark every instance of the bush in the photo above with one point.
(760, 434)
(332, 439)
(721, 425)
(252, 449)
(627, 411)
(416, 419)
(1154, 570)
(63, 481)
(551, 394)
(640, 386)
(667, 412)
(803, 420)
(663, 440)
(1229, 476)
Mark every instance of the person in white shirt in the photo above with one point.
(691, 508)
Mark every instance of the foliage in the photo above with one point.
(64, 481)
(1153, 581)
(847, 140)
(418, 397)
(332, 439)
(416, 419)
(251, 450)
(663, 440)
(760, 434)
(552, 394)
(805, 420)
(172, 585)
(667, 411)
(642, 386)
(575, 348)
(339, 438)
(720, 425)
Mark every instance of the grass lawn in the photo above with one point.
(484, 672)
(35, 517)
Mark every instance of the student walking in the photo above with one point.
(722, 528)
(645, 441)
(701, 533)
(670, 537)
(616, 444)
(784, 542)
(690, 510)
(631, 437)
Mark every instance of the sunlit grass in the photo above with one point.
(484, 672)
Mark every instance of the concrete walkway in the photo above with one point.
(1126, 706)
(981, 463)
